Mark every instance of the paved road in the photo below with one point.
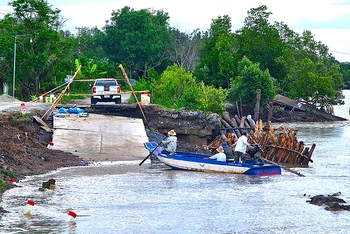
(101, 138)
(95, 138)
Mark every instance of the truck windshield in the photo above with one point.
(106, 82)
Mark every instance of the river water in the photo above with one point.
(126, 198)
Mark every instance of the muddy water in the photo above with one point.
(127, 198)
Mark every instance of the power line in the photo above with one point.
(339, 52)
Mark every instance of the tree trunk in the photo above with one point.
(257, 105)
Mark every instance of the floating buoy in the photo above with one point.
(72, 215)
(50, 145)
(29, 206)
(13, 180)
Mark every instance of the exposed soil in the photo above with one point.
(23, 149)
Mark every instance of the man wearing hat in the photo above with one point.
(170, 142)
(241, 148)
(220, 156)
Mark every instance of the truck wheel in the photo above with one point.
(118, 101)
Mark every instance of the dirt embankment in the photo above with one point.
(23, 150)
(23, 144)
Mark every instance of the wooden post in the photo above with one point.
(238, 112)
(240, 99)
(269, 115)
(257, 105)
(133, 92)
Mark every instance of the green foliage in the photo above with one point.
(39, 47)
(172, 86)
(142, 40)
(216, 64)
(212, 99)
(2, 183)
(20, 116)
(260, 41)
(345, 70)
(315, 83)
(249, 79)
(191, 98)
(137, 38)
(91, 68)
(8, 173)
(141, 84)
(88, 43)
(177, 89)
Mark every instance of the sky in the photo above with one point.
(328, 20)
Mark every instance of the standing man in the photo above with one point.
(170, 142)
(241, 148)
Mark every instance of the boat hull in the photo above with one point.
(200, 162)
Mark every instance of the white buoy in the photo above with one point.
(72, 215)
(50, 145)
(29, 207)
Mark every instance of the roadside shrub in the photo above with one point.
(173, 84)
(212, 99)
(21, 116)
(177, 88)
(8, 173)
(249, 79)
(2, 183)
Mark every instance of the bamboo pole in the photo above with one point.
(54, 89)
(291, 150)
(49, 111)
(133, 92)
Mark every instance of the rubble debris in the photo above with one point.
(330, 202)
(278, 145)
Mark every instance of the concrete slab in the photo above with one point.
(101, 138)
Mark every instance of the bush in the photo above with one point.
(8, 173)
(2, 183)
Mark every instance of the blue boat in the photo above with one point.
(196, 162)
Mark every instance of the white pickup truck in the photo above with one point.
(106, 90)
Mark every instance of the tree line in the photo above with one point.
(199, 70)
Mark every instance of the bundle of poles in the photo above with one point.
(278, 145)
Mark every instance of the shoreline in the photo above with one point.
(24, 143)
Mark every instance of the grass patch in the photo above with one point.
(8, 173)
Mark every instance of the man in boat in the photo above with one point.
(228, 152)
(170, 143)
(220, 156)
(241, 148)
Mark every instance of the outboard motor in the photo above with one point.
(255, 153)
